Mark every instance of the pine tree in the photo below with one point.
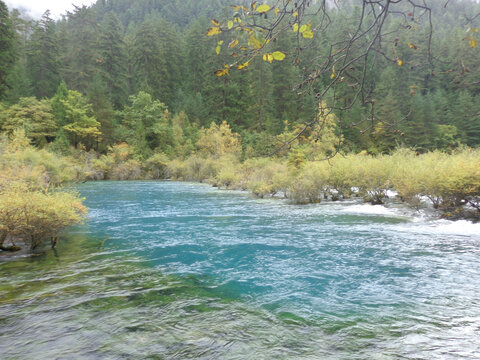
(81, 58)
(465, 115)
(263, 102)
(58, 106)
(150, 65)
(18, 80)
(284, 78)
(7, 47)
(102, 110)
(198, 78)
(113, 57)
(42, 58)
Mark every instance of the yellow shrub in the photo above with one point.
(311, 184)
(340, 176)
(156, 166)
(36, 215)
(264, 176)
(176, 169)
(372, 177)
(218, 140)
(128, 170)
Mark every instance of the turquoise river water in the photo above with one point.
(167, 270)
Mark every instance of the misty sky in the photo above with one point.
(35, 8)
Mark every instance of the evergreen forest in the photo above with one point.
(86, 75)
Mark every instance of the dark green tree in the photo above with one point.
(81, 59)
(102, 111)
(42, 58)
(7, 47)
(113, 60)
(157, 57)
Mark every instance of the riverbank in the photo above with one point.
(449, 183)
(30, 180)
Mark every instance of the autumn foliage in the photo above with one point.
(32, 206)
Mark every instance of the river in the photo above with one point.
(168, 270)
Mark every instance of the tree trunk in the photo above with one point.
(3, 237)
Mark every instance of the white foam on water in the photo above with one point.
(422, 224)
(459, 227)
(370, 210)
(391, 193)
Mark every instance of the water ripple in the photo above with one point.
(177, 271)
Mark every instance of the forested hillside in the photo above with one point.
(121, 71)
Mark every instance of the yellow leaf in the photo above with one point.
(230, 24)
(253, 5)
(277, 10)
(239, 7)
(220, 42)
(253, 41)
(213, 31)
(307, 34)
(278, 55)
(399, 62)
(244, 65)
(412, 46)
(215, 22)
(222, 72)
(217, 49)
(295, 27)
(473, 43)
(295, 14)
(474, 29)
(263, 8)
(332, 76)
(233, 43)
(268, 57)
(303, 28)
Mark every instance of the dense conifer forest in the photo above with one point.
(168, 89)
(85, 74)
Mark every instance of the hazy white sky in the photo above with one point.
(36, 8)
